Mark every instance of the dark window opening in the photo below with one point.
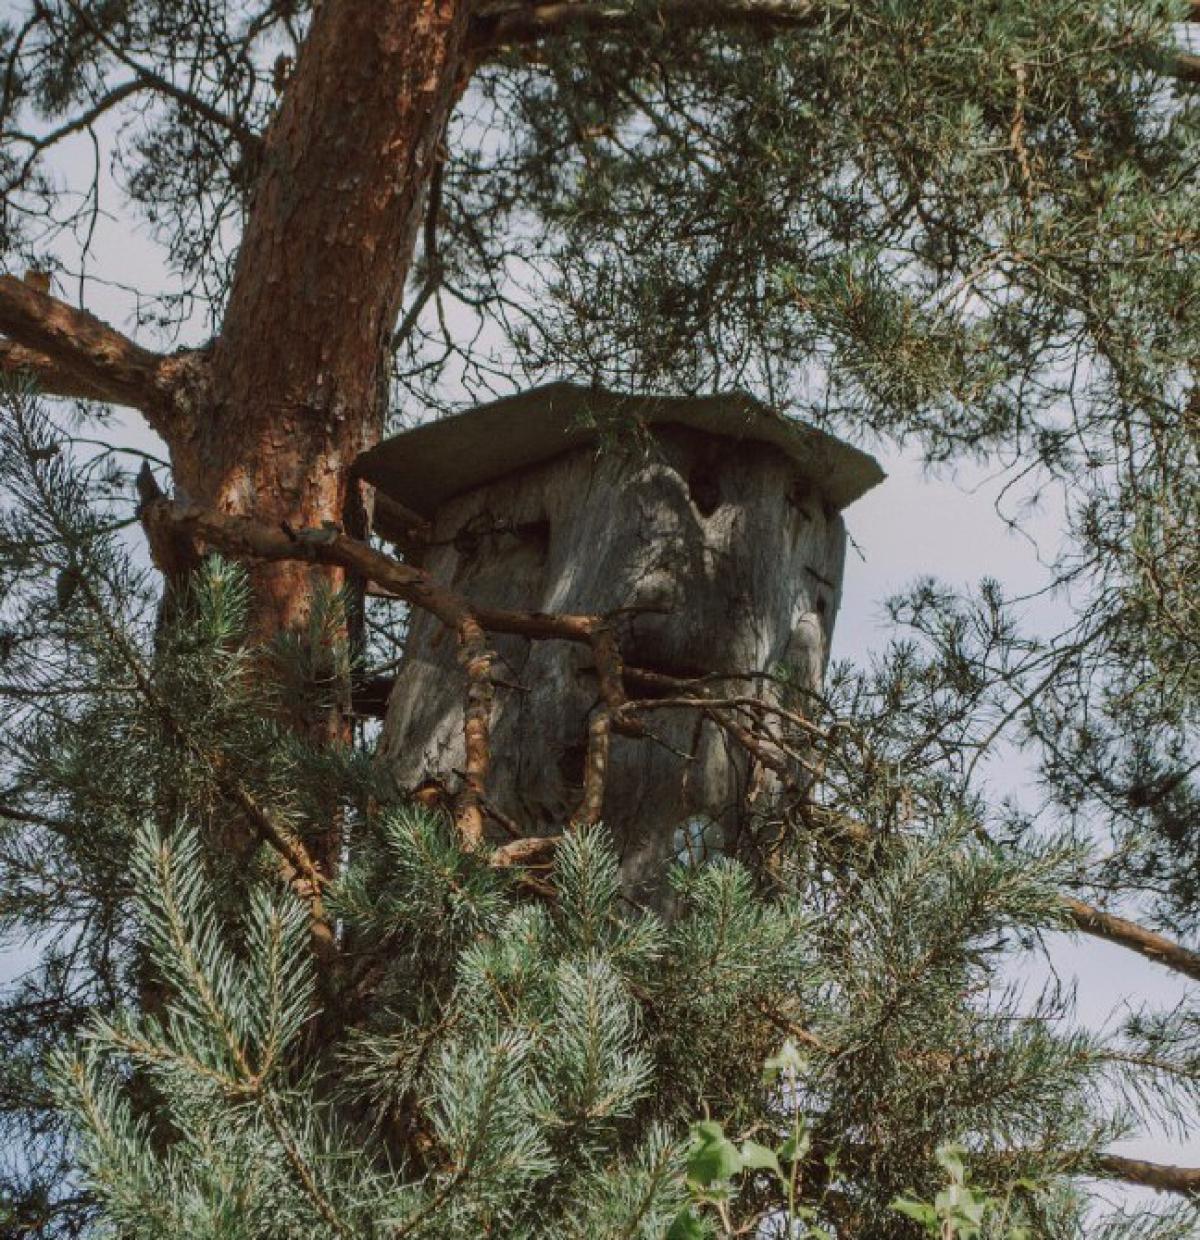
(571, 765)
(704, 487)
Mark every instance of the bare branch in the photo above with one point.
(532, 850)
(595, 775)
(1186, 68)
(432, 258)
(239, 535)
(49, 376)
(249, 141)
(1161, 1176)
(73, 353)
(476, 658)
(41, 142)
(1136, 938)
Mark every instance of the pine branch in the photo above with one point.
(1164, 1177)
(250, 142)
(1135, 938)
(72, 353)
(298, 869)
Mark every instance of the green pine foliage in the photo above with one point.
(488, 1060)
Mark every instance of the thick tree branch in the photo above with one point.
(1136, 938)
(1186, 68)
(245, 536)
(72, 353)
(515, 24)
(50, 376)
(595, 773)
(1184, 1181)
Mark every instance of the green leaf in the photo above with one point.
(757, 1157)
(685, 1227)
(713, 1157)
(950, 1159)
(787, 1062)
(919, 1211)
(796, 1147)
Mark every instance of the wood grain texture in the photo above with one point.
(709, 555)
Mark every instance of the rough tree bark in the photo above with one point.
(269, 418)
(298, 373)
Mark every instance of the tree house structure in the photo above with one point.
(706, 531)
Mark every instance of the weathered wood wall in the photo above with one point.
(719, 557)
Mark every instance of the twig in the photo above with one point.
(476, 659)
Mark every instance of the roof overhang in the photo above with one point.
(422, 468)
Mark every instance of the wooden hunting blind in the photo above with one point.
(708, 532)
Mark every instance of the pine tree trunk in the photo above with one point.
(298, 376)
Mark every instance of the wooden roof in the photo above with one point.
(422, 468)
